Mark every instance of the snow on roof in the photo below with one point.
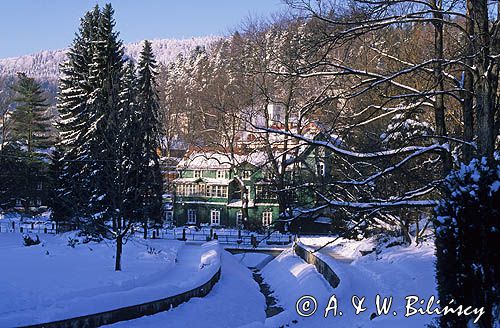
(213, 160)
(211, 181)
(204, 160)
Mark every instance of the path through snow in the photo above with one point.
(233, 302)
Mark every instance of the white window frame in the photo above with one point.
(267, 218)
(246, 175)
(197, 174)
(191, 216)
(239, 218)
(169, 217)
(320, 169)
(215, 217)
(216, 191)
(221, 174)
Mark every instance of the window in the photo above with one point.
(246, 174)
(190, 190)
(39, 186)
(216, 191)
(18, 202)
(169, 217)
(179, 189)
(38, 202)
(191, 216)
(215, 217)
(221, 174)
(267, 218)
(320, 169)
(264, 192)
(239, 219)
(197, 174)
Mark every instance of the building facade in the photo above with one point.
(213, 190)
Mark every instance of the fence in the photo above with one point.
(43, 227)
(224, 236)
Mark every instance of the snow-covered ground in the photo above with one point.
(53, 281)
(233, 302)
(251, 260)
(397, 271)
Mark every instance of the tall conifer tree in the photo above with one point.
(73, 105)
(148, 106)
(29, 142)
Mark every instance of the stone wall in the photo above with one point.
(320, 265)
(134, 311)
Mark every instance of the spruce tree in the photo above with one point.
(30, 123)
(131, 143)
(30, 140)
(105, 77)
(149, 162)
(109, 166)
(75, 89)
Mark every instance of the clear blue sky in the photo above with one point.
(28, 26)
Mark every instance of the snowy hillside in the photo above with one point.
(44, 65)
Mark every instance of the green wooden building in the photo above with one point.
(208, 191)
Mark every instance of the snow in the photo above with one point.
(234, 301)
(252, 260)
(45, 64)
(155, 269)
(396, 271)
(53, 281)
(214, 160)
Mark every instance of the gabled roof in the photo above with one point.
(204, 160)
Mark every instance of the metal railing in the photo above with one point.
(48, 227)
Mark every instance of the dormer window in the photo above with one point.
(221, 174)
(320, 169)
(246, 174)
(197, 174)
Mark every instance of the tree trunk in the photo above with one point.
(468, 89)
(118, 256)
(487, 78)
(439, 108)
(244, 206)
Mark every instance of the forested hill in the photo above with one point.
(44, 65)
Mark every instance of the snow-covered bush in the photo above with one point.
(29, 241)
(468, 240)
(72, 242)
